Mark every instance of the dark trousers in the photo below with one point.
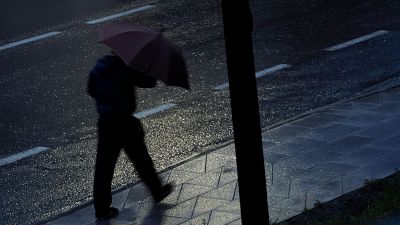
(114, 133)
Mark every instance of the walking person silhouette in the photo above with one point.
(112, 84)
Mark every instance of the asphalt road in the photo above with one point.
(44, 101)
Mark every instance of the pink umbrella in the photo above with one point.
(148, 51)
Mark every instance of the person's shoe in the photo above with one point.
(165, 191)
(112, 212)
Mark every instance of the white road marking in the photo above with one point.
(155, 110)
(111, 17)
(259, 74)
(271, 70)
(21, 155)
(357, 40)
(221, 86)
(28, 40)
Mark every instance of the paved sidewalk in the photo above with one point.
(314, 158)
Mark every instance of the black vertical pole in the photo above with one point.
(238, 27)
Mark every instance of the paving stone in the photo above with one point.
(361, 120)
(162, 220)
(283, 133)
(337, 169)
(341, 112)
(237, 195)
(392, 91)
(228, 174)
(268, 144)
(395, 121)
(274, 199)
(119, 199)
(301, 164)
(110, 222)
(384, 167)
(236, 222)
(161, 210)
(151, 220)
(385, 110)
(199, 220)
(181, 176)
(171, 221)
(351, 183)
(129, 213)
(316, 120)
(147, 209)
(311, 159)
(285, 171)
(277, 215)
(225, 192)
(348, 144)
(300, 186)
(182, 210)
(389, 97)
(300, 145)
(279, 148)
(173, 197)
(354, 107)
(137, 193)
(82, 216)
(294, 203)
(320, 155)
(227, 150)
(204, 204)
(273, 157)
(215, 161)
(331, 133)
(230, 207)
(372, 99)
(268, 173)
(391, 143)
(379, 131)
(315, 197)
(190, 191)
(334, 186)
(282, 171)
(280, 187)
(218, 218)
(210, 179)
(164, 177)
(361, 157)
(197, 165)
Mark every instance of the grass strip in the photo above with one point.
(377, 199)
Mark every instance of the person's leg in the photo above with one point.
(107, 154)
(137, 152)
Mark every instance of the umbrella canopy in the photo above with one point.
(148, 51)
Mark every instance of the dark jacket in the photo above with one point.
(112, 84)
